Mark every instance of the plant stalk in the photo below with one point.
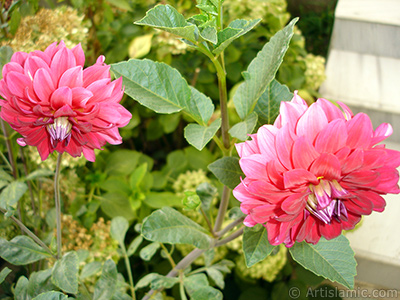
(58, 204)
(129, 270)
(9, 148)
(223, 206)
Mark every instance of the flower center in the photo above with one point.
(325, 201)
(59, 131)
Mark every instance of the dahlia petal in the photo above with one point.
(298, 100)
(95, 73)
(266, 141)
(294, 203)
(382, 132)
(111, 136)
(353, 162)
(4, 92)
(348, 114)
(303, 153)
(266, 191)
(62, 60)
(254, 166)
(21, 142)
(44, 150)
(388, 180)
(43, 85)
(311, 122)
(304, 229)
(46, 58)
(109, 114)
(332, 138)
(298, 178)
(249, 222)
(247, 148)
(19, 58)
(80, 96)
(361, 179)
(263, 213)
(393, 158)
(17, 82)
(290, 113)
(64, 111)
(377, 201)
(326, 166)
(332, 112)
(51, 50)
(359, 205)
(12, 67)
(283, 144)
(79, 55)
(375, 158)
(275, 171)
(117, 92)
(330, 231)
(32, 64)
(60, 97)
(72, 78)
(73, 148)
(101, 90)
(359, 131)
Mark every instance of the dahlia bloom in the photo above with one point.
(56, 105)
(315, 172)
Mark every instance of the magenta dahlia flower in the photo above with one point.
(315, 172)
(56, 105)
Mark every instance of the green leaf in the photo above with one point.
(157, 281)
(51, 296)
(234, 30)
(217, 276)
(155, 85)
(262, 70)
(40, 282)
(207, 193)
(21, 289)
(21, 250)
(5, 55)
(255, 244)
(65, 273)
(5, 176)
(138, 175)
(227, 170)
(200, 107)
(105, 286)
(198, 159)
(90, 269)
(207, 293)
(12, 193)
(122, 162)
(167, 18)
(159, 200)
(4, 273)
(148, 252)
(167, 225)
(117, 204)
(119, 227)
(333, 259)
(210, 9)
(267, 106)
(122, 4)
(209, 34)
(195, 282)
(243, 129)
(169, 122)
(39, 174)
(198, 136)
(134, 245)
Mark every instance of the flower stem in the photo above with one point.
(169, 257)
(129, 270)
(230, 226)
(29, 183)
(58, 204)
(222, 208)
(9, 148)
(30, 233)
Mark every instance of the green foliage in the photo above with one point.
(333, 259)
(167, 225)
(243, 129)
(105, 287)
(12, 193)
(65, 273)
(51, 296)
(255, 244)
(227, 170)
(199, 136)
(4, 273)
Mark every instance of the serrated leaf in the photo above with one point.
(167, 225)
(207, 293)
(167, 18)
(209, 34)
(90, 269)
(21, 250)
(148, 252)
(39, 174)
(65, 273)
(227, 170)
(255, 245)
(198, 136)
(243, 129)
(51, 296)
(234, 30)
(118, 228)
(200, 107)
(195, 282)
(134, 245)
(12, 193)
(105, 286)
(155, 85)
(267, 107)
(333, 259)
(262, 70)
(4, 273)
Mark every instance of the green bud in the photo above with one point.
(191, 201)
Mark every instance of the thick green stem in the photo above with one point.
(30, 233)
(58, 204)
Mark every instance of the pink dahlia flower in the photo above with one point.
(315, 172)
(56, 105)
